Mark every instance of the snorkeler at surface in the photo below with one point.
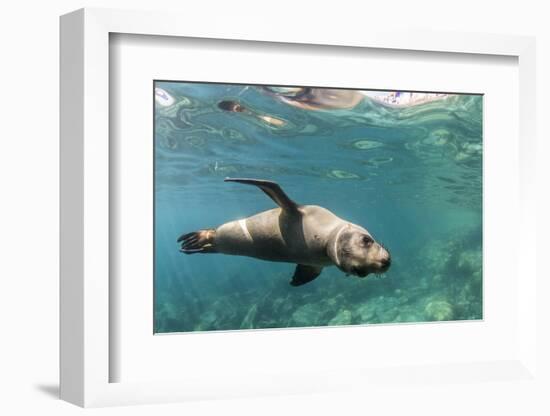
(308, 98)
(236, 107)
(232, 106)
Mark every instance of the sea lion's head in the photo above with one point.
(355, 251)
(231, 106)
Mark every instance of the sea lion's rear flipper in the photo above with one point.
(201, 241)
(305, 274)
(271, 189)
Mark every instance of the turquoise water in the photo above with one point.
(411, 176)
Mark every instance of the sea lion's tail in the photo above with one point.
(201, 241)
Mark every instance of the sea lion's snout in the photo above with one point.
(385, 260)
(377, 260)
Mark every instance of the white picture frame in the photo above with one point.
(85, 164)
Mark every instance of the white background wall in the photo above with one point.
(29, 58)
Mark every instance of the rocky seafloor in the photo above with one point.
(443, 284)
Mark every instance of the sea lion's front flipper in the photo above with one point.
(305, 274)
(273, 190)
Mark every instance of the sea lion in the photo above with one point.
(314, 99)
(309, 235)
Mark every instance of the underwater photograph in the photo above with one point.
(301, 206)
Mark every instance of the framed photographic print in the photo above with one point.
(274, 214)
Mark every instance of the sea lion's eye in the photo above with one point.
(367, 240)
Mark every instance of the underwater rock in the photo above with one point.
(382, 309)
(453, 268)
(437, 256)
(403, 300)
(408, 314)
(168, 317)
(470, 261)
(208, 321)
(208, 318)
(226, 309)
(248, 321)
(279, 304)
(342, 318)
(336, 302)
(387, 308)
(474, 310)
(307, 315)
(460, 307)
(387, 315)
(438, 310)
(367, 313)
(169, 310)
(283, 306)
